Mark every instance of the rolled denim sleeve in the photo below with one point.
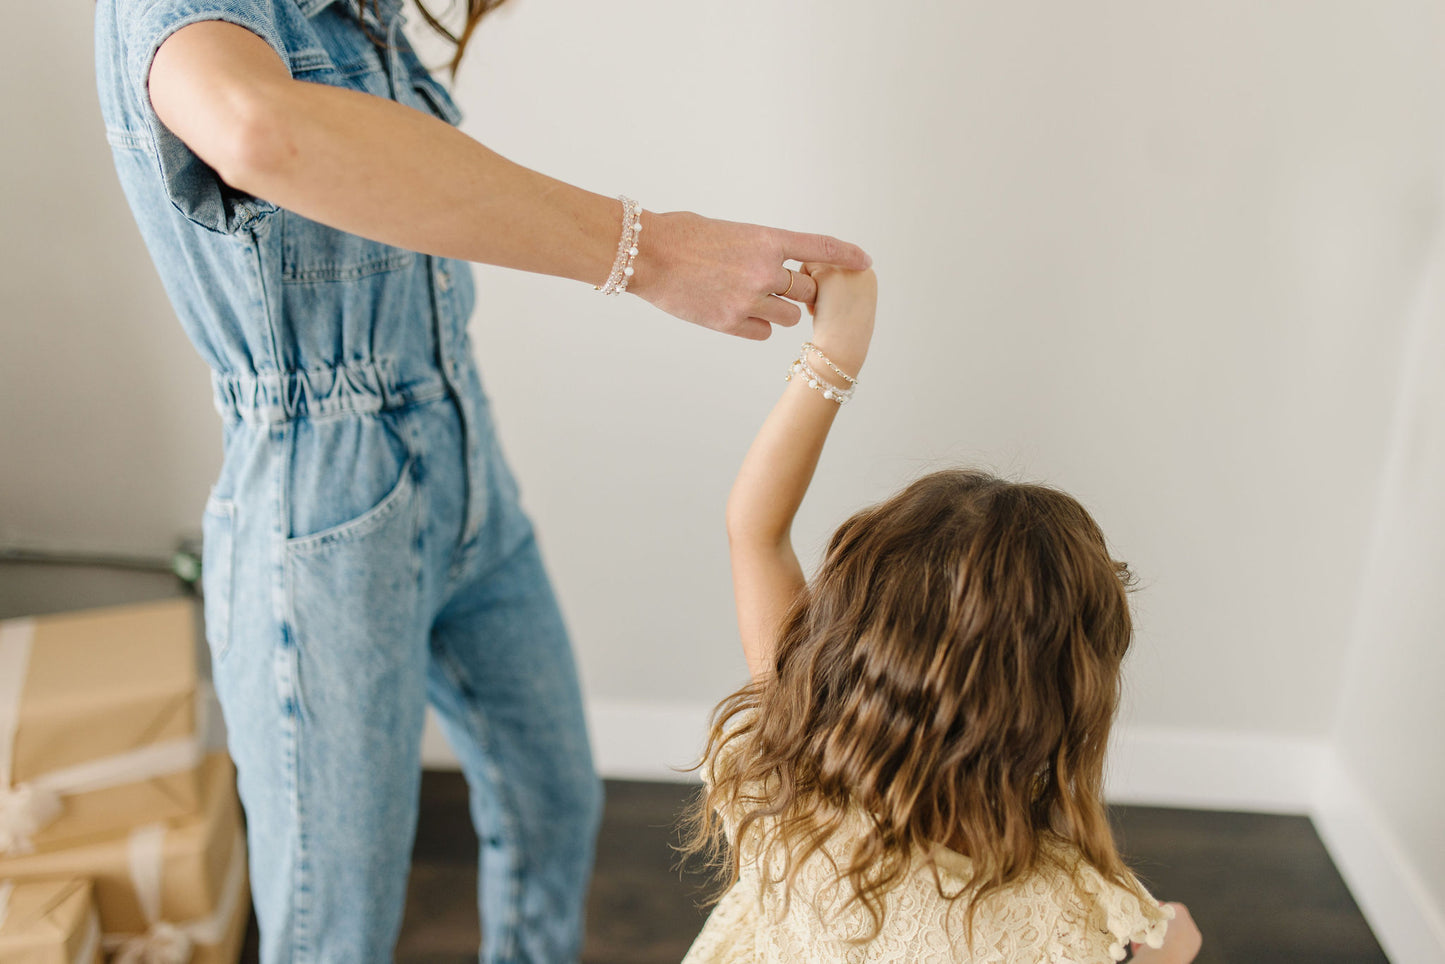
(192, 185)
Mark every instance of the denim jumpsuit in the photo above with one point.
(365, 553)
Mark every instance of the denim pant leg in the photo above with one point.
(323, 684)
(505, 685)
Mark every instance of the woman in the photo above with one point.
(296, 176)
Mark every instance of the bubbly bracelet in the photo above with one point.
(816, 381)
(621, 273)
(852, 382)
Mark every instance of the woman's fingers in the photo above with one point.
(822, 247)
(797, 286)
(753, 329)
(776, 311)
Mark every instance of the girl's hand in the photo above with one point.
(843, 313)
(1181, 943)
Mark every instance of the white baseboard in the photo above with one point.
(1213, 770)
(1261, 773)
(655, 741)
(1373, 861)
(1148, 766)
(630, 741)
(436, 752)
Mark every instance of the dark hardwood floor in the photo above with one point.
(1261, 887)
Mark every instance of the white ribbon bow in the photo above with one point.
(162, 944)
(166, 942)
(27, 808)
(23, 811)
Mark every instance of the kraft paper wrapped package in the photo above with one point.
(166, 892)
(103, 722)
(48, 922)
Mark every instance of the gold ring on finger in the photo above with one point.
(791, 278)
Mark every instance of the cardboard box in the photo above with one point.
(186, 876)
(103, 721)
(48, 922)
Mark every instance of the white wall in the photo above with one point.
(1391, 718)
(1161, 253)
(1155, 252)
(107, 436)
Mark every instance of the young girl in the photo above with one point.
(914, 773)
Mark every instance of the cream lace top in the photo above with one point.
(1052, 917)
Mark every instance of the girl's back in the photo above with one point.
(1062, 912)
(1049, 916)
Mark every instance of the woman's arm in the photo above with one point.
(779, 466)
(375, 168)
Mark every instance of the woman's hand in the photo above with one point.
(730, 277)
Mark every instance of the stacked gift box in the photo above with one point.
(120, 831)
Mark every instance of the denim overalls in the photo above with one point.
(364, 549)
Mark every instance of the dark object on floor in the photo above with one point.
(1261, 887)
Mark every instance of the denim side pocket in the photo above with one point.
(361, 526)
(218, 551)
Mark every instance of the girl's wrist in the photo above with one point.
(848, 357)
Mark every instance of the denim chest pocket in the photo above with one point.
(311, 252)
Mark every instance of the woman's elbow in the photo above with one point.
(258, 147)
(229, 97)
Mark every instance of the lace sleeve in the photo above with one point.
(1063, 917)
(1117, 916)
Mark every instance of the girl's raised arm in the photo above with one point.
(778, 467)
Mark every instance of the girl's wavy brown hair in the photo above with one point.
(950, 675)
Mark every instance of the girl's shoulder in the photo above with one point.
(1064, 912)
(1057, 915)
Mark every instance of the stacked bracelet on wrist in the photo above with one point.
(816, 381)
(621, 273)
(808, 346)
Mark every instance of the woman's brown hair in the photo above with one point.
(949, 676)
(476, 9)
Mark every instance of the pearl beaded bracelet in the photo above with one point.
(622, 272)
(852, 382)
(832, 393)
